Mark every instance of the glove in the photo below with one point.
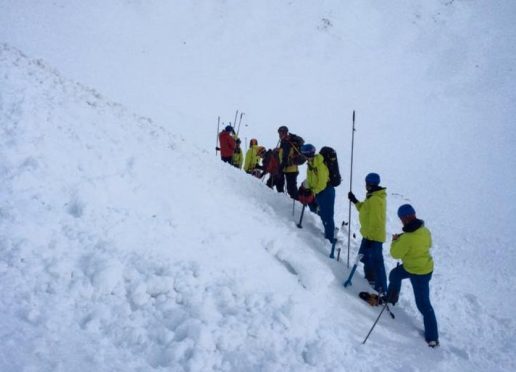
(352, 197)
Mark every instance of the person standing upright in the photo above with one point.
(372, 216)
(253, 158)
(289, 152)
(237, 158)
(227, 144)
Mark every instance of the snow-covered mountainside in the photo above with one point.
(125, 247)
(125, 244)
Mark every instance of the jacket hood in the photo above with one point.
(413, 225)
(379, 191)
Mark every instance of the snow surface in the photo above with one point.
(126, 245)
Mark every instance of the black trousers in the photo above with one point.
(292, 184)
(279, 182)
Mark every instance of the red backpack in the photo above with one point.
(305, 196)
(271, 162)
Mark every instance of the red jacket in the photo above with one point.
(227, 144)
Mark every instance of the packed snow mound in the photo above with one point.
(125, 247)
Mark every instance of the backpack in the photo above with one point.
(296, 142)
(330, 159)
(305, 196)
(271, 162)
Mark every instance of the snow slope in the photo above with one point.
(127, 245)
(432, 82)
(124, 250)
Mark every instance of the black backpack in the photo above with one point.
(330, 159)
(297, 141)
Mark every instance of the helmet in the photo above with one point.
(283, 129)
(253, 141)
(229, 128)
(308, 150)
(406, 210)
(373, 179)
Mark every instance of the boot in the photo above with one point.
(371, 298)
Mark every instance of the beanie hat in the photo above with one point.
(283, 129)
(229, 128)
(373, 179)
(406, 210)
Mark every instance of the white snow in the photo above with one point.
(126, 245)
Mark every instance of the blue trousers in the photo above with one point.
(326, 201)
(374, 267)
(421, 287)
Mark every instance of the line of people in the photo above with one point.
(280, 163)
(412, 246)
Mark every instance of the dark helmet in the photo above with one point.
(308, 150)
(373, 179)
(406, 210)
(229, 129)
(283, 129)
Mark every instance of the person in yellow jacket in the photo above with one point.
(317, 181)
(253, 158)
(289, 170)
(237, 158)
(372, 216)
(412, 247)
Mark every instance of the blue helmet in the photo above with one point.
(229, 129)
(373, 179)
(308, 150)
(406, 210)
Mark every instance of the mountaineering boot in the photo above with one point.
(433, 344)
(371, 298)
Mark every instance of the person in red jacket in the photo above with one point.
(227, 144)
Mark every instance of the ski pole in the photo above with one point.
(338, 250)
(332, 253)
(348, 281)
(293, 206)
(376, 321)
(217, 137)
(301, 218)
(234, 121)
(389, 310)
(239, 122)
(351, 181)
